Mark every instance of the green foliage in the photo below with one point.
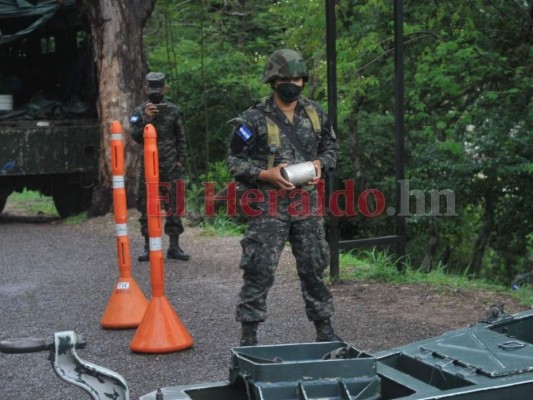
(370, 265)
(76, 219)
(218, 175)
(34, 202)
(207, 48)
(377, 266)
(222, 225)
(468, 109)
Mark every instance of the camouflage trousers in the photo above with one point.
(262, 245)
(173, 224)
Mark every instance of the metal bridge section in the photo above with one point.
(486, 361)
(490, 360)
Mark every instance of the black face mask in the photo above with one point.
(155, 98)
(288, 92)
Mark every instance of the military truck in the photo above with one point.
(49, 129)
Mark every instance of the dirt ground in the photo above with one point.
(58, 276)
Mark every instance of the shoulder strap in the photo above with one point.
(295, 141)
(313, 116)
(274, 141)
(273, 136)
(273, 133)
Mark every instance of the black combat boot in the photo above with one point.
(175, 252)
(145, 255)
(324, 331)
(249, 333)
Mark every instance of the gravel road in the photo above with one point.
(58, 277)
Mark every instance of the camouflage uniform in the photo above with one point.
(266, 234)
(172, 149)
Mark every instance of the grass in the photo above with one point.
(33, 202)
(76, 219)
(221, 225)
(377, 266)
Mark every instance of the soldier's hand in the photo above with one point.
(274, 177)
(318, 172)
(150, 110)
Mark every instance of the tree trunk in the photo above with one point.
(353, 140)
(431, 248)
(116, 28)
(484, 235)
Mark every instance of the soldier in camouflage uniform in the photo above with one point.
(172, 151)
(267, 233)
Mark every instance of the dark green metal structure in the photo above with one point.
(490, 360)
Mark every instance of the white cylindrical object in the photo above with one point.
(299, 174)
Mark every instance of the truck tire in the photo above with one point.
(71, 199)
(3, 201)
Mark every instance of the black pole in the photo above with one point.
(331, 55)
(399, 127)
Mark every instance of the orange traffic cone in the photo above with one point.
(127, 304)
(161, 330)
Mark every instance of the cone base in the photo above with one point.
(161, 330)
(126, 307)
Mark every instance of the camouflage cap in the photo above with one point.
(155, 81)
(285, 63)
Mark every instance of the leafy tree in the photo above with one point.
(208, 48)
(468, 107)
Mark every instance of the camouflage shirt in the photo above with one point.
(170, 132)
(247, 158)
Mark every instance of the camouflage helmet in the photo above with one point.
(285, 63)
(155, 82)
